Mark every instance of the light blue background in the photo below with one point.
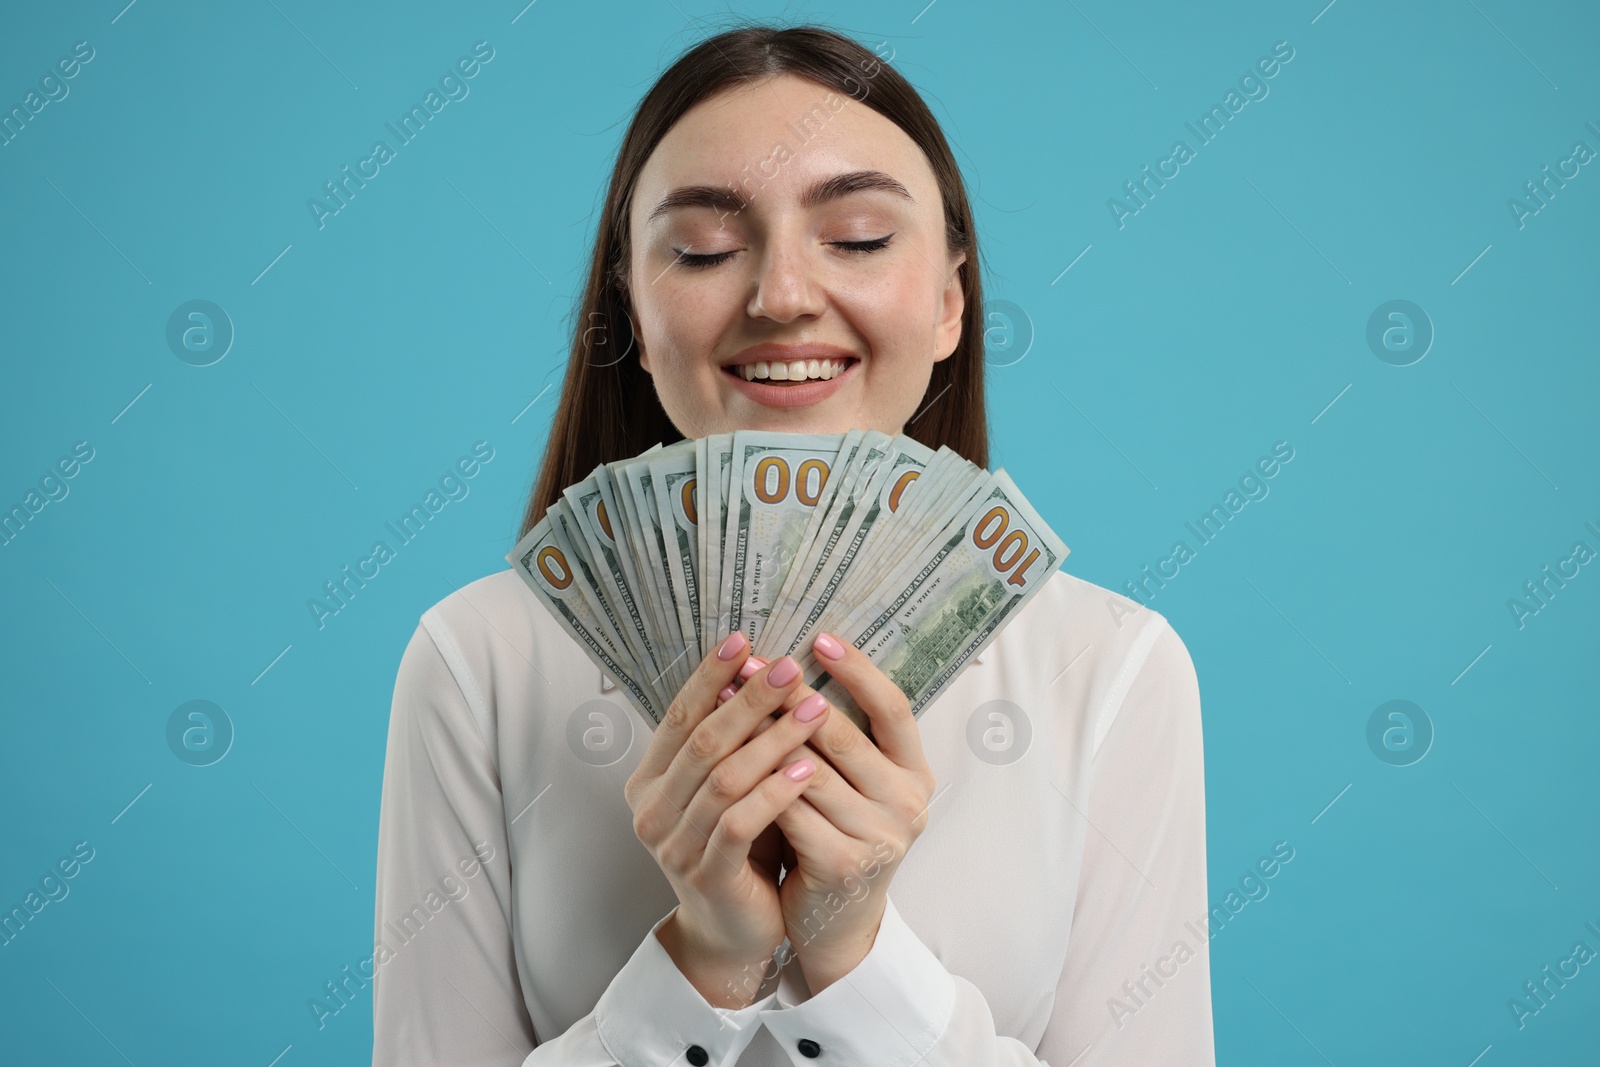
(1227, 315)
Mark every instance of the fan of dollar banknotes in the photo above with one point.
(918, 557)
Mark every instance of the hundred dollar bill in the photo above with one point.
(619, 507)
(644, 588)
(706, 609)
(878, 498)
(639, 485)
(590, 586)
(924, 505)
(914, 535)
(673, 479)
(918, 557)
(918, 499)
(774, 482)
(594, 589)
(858, 449)
(863, 592)
(714, 483)
(612, 557)
(551, 568)
(942, 610)
(853, 466)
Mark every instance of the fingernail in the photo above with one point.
(730, 648)
(799, 771)
(751, 665)
(785, 671)
(827, 646)
(727, 693)
(810, 707)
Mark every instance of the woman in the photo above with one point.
(962, 902)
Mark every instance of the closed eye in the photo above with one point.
(689, 259)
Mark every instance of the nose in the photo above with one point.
(786, 285)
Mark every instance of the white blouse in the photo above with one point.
(1053, 910)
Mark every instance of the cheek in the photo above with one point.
(895, 315)
(679, 325)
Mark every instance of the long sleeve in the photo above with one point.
(1137, 983)
(652, 1016)
(446, 989)
(900, 1006)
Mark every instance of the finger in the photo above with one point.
(738, 773)
(751, 665)
(693, 703)
(726, 728)
(894, 728)
(743, 822)
(839, 802)
(807, 830)
(849, 752)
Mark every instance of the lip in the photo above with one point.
(790, 396)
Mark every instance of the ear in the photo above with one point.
(953, 303)
(633, 329)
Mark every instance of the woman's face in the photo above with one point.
(824, 232)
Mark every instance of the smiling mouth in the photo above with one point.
(797, 372)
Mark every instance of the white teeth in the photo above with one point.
(798, 370)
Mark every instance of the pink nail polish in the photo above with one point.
(810, 707)
(827, 646)
(727, 694)
(730, 648)
(751, 665)
(786, 671)
(799, 771)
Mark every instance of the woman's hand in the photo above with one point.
(857, 818)
(703, 794)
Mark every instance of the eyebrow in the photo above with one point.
(727, 200)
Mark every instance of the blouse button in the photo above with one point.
(697, 1056)
(809, 1048)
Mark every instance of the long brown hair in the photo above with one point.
(608, 408)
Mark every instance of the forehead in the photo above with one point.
(774, 138)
